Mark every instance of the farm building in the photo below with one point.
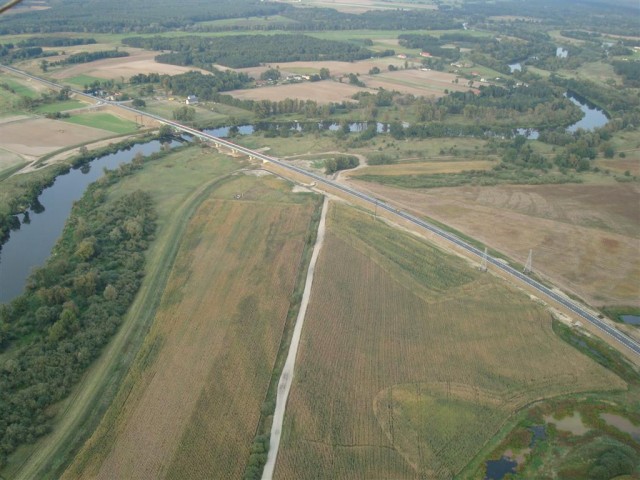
(192, 100)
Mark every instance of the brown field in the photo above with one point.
(198, 385)
(336, 68)
(35, 137)
(140, 61)
(416, 82)
(423, 168)
(411, 360)
(621, 165)
(585, 238)
(360, 6)
(321, 92)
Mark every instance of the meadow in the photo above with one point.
(191, 403)
(412, 360)
(104, 121)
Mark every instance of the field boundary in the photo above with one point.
(286, 378)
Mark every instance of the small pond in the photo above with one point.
(517, 66)
(497, 469)
(561, 52)
(572, 424)
(593, 117)
(631, 319)
(623, 424)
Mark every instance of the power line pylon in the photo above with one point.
(483, 264)
(528, 266)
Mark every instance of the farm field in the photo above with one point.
(424, 168)
(61, 106)
(191, 403)
(424, 359)
(417, 82)
(584, 237)
(321, 92)
(139, 61)
(35, 137)
(104, 121)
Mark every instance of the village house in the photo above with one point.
(191, 100)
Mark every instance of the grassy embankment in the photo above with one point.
(179, 183)
(425, 358)
(203, 371)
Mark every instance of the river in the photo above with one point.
(31, 245)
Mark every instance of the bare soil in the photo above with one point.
(35, 137)
(417, 82)
(139, 61)
(321, 92)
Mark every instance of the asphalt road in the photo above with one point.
(546, 292)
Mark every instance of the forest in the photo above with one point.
(240, 51)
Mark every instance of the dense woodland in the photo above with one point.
(249, 50)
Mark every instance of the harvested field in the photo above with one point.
(336, 68)
(423, 168)
(140, 61)
(417, 82)
(360, 6)
(197, 387)
(321, 92)
(38, 136)
(585, 238)
(410, 360)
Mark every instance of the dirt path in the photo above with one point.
(284, 385)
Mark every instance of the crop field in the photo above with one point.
(139, 61)
(104, 121)
(424, 168)
(584, 237)
(61, 106)
(38, 136)
(417, 82)
(191, 403)
(321, 92)
(411, 360)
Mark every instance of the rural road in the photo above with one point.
(284, 385)
(549, 293)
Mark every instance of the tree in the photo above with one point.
(374, 71)
(184, 114)
(271, 74)
(138, 102)
(165, 133)
(44, 65)
(324, 73)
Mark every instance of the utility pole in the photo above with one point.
(528, 266)
(483, 265)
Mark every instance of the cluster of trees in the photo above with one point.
(630, 72)
(86, 57)
(341, 162)
(55, 42)
(70, 309)
(124, 16)
(9, 53)
(249, 50)
(205, 86)
(430, 44)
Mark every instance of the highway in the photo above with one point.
(546, 292)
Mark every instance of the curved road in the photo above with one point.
(566, 302)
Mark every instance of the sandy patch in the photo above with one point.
(39, 136)
(321, 92)
(140, 61)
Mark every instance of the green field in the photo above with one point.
(82, 80)
(425, 358)
(104, 121)
(60, 106)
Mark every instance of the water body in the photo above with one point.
(623, 424)
(593, 118)
(631, 319)
(515, 66)
(497, 469)
(561, 52)
(31, 245)
(572, 424)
